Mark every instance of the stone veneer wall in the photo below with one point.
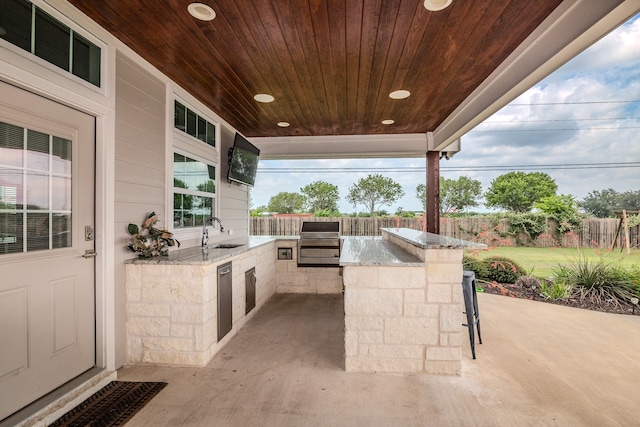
(172, 309)
(405, 319)
(305, 280)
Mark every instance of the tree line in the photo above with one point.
(515, 192)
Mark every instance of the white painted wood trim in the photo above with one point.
(341, 146)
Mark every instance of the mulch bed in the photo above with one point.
(518, 291)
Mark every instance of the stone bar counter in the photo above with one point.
(403, 302)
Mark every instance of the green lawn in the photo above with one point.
(540, 262)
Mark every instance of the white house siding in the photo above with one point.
(142, 100)
(133, 182)
(139, 169)
(233, 198)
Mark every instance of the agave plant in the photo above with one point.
(148, 240)
(599, 280)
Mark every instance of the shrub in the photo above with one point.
(598, 279)
(502, 270)
(326, 213)
(564, 209)
(476, 265)
(531, 224)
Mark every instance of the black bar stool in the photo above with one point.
(471, 307)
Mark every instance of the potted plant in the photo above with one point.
(148, 241)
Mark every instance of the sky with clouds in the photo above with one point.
(587, 113)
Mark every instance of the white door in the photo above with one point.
(47, 314)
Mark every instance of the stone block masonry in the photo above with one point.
(403, 308)
(405, 319)
(305, 280)
(172, 308)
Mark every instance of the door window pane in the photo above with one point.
(37, 191)
(11, 145)
(61, 156)
(37, 151)
(37, 231)
(11, 189)
(61, 193)
(10, 233)
(61, 233)
(8, 193)
(37, 194)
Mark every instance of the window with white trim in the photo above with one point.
(194, 191)
(192, 123)
(30, 28)
(195, 168)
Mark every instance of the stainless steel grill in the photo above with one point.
(319, 244)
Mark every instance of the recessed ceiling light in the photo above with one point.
(388, 122)
(283, 124)
(264, 97)
(201, 11)
(436, 5)
(399, 94)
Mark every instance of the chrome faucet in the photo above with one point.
(205, 230)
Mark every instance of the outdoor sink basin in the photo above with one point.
(224, 246)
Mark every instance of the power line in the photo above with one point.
(558, 120)
(552, 129)
(538, 168)
(590, 119)
(571, 103)
(421, 169)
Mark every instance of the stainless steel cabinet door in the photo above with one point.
(225, 300)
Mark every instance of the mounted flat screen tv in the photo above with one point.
(243, 161)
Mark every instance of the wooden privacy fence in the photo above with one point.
(594, 233)
(349, 226)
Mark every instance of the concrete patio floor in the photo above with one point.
(540, 365)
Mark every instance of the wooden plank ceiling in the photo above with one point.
(330, 64)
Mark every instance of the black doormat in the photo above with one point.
(112, 405)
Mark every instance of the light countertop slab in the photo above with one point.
(211, 254)
(375, 251)
(426, 240)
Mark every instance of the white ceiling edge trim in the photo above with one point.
(341, 146)
(570, 29)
